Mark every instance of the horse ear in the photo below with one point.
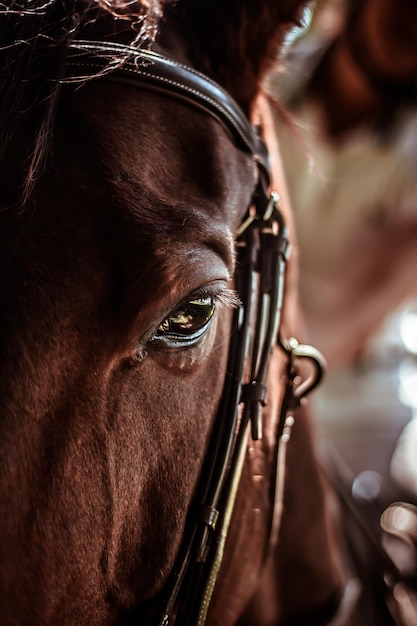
(236, 41)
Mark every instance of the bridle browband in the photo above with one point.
(262, 253)
(125, 64)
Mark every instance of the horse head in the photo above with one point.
(119, 216)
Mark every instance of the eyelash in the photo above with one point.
(189, 322)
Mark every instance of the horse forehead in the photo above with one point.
(172, 155)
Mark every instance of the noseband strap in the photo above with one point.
(262, 253)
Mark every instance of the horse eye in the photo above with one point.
(187, 324)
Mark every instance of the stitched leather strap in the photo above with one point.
(133, 66)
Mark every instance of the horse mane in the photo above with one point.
(35, 36)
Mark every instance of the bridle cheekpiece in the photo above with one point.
(262, 252)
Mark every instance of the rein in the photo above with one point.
(262, 253)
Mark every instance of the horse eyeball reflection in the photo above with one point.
(189, 319)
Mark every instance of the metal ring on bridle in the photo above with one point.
(263, 249)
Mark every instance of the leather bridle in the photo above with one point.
(262, 252)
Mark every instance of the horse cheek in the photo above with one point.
(156, 443)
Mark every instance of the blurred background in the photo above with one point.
(351, 188)
(348, 137)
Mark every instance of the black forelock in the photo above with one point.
(35, 36)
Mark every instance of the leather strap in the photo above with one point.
(263, 250)
(133, 66)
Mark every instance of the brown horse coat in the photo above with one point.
(129, 212)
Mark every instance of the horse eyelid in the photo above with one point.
(226, 297)
(220, 297)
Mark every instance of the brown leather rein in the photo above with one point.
(262, 253)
